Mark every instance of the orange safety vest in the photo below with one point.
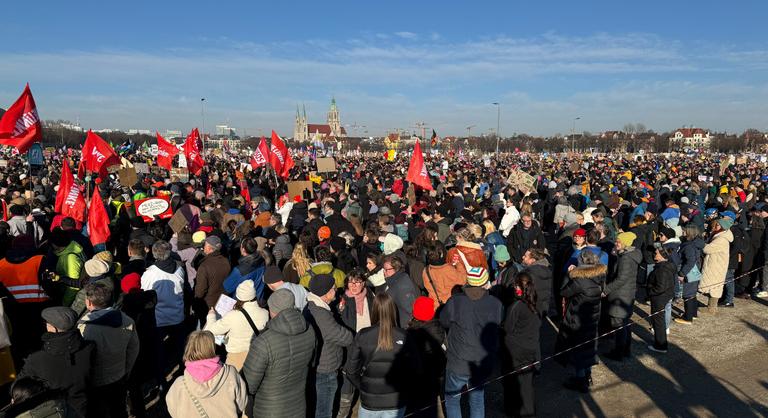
(21, 280)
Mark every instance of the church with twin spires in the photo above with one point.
(304, 131)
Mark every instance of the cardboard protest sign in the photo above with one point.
(3, 163)
(141, 168)
(300, 188)
(522, 180)
(181, 173)
(128, 177)
(326, 164)
(178, 222)
(154, 206)
(741, 160)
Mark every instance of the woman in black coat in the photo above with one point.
(661, 289)
(578, 332)
(521, 328)
(690, 271)
(426, 336)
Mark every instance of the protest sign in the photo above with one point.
(326, 164)
(178, 222)
(141, 168)
(154, 206)
(300, 188)
(127, 176)
(182, 173)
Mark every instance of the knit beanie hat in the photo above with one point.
(321, 284)
(392, 243)
(105, 256)
(667, 231)
(725, 223)
(477, 276)
(581, 232)
(423, 308)
(501, 254)
(626, 238)
(95, 267)
(198, 238)
(272, 274)
(323, 233)
(281, 300)
(245, 291)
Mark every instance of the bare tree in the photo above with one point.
(640, 128)
(629, 128)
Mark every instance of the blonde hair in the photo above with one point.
(489, 227)
(300, 259)
(465, 234)
(477, 231)
(200, 346)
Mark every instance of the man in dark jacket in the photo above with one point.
(661, 289)
(537, 266)
(209, 285)
(297, 218)
(401, 288)
(336, 222)
(64, 363)
(524, 236)
(332, 337)
(278, 360)
(620, 293)
(472, 319)
(740, 252)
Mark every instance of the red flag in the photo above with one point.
(165, 152)
(192, 148)
(244, 191)
(435, 138)
(20, 126)
(279, 156)
(259, 157)
(417, 172)
(97, 156)
(98, 219)
(69, 200)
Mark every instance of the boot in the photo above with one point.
(712, 306)
(345, 404)
(578, 384)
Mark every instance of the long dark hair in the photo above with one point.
(524, 282)
(385, 316)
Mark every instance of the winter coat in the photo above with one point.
(117, 344)
(282, 249)
(403, 292)
(47, 405)
(620, 291)
(236, 328)
(521, 240)
(297, 218)
(140, 306)
(716, 257)
(541, 273)
(445, 277)
(224, 395)
(323, 267)
(339, 224)
(690, 255)
(250, 267)
(277, 365)
(332, 337)
(210, 278)
(673, 248)
(167, 280)
(428, 339)
(472, 319)
(509, 220)
(521, 334)
(69, 267)
(349, 311)
(385, 378)
(661, 282)
(64, 363)
(582, 313)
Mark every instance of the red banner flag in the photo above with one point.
(279, 156)
(20, 126)
(259, 157)
(192, 148)
(98, 219)
(417, 172)
(97, 156)
(165, 152)
(69, 200)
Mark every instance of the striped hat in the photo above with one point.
(477, 276)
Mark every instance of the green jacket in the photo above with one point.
(69, 267)
(323, 268)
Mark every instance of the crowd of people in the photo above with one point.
(366, 290)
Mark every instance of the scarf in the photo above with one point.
(359, 300)
(203, 370)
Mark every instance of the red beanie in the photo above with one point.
(580, 233)
(130, 283)
(423, 308)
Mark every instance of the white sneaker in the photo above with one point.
(667, 331)
(762, 294)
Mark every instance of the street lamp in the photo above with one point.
(498, 122)
(573, 134)
(202, 113)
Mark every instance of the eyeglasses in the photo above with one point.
(356, 282)
(388, 268)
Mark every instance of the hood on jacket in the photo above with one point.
(249, 263)
(72, 248)
(105, 317)
(633, 254)
(727, 235)
(288, 322)
(62, 342)
(282, 239)
(589, 271)
(211, 387)
(168, 265)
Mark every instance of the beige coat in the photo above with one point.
(715, 268)
(225, 395)
(236, 328)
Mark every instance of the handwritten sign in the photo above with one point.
(326, 165)
(154, 206)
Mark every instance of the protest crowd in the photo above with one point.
(252, 284)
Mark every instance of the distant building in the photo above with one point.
(690, 138)
(171, 134)
(225, 130)
(139, 132)
(304, 131)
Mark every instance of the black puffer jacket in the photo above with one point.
(541, 273)
(620, 291)
(385, 378)
(277, 364)
(64, 364)
(582, 314)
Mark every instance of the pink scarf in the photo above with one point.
(203, 370)
(359, 300)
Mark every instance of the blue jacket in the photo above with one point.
(250, 267)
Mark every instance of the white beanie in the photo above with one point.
(245, 291)
(392, 243)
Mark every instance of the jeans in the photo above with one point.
(325, 388)
(387, 413)
(453, 387)
(668, 313)
(730, 287)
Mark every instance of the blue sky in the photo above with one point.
(146, 65)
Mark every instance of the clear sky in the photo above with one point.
(145, 65)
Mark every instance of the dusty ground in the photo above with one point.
(717, 367)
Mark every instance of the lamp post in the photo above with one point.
(498, 124)
(202, 113)
(573, 134)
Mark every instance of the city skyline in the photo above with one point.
(661, 65)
